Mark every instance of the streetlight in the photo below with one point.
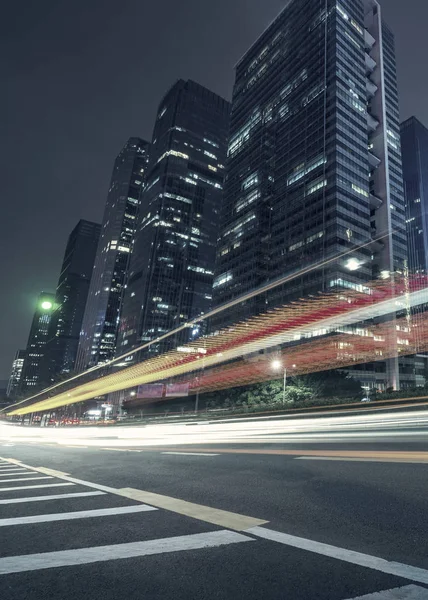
(353, 264)
(277, 364)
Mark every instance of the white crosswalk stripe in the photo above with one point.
(25, 479)
(83, 556)
(51, 497)
(409, 592)
(15, 488)
(7, 473)
(81, 514)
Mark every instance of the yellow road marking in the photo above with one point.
(215, 516)
(383, 455)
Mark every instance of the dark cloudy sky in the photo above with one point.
(81, 77)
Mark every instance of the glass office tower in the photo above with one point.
(172, 265)
(15, 375)
(100, 323)
(71, 297)
(414, 143)
(314, 165)
(32, 371)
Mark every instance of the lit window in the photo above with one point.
(173, 153)
(303, 169)
(211, 142)
(250, 181)
(359, 190)
(222, 279)
(316, 186)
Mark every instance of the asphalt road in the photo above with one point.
(303, 521)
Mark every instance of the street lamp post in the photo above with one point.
(285, 383)
(197, 396)
(277, 364)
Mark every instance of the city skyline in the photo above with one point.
(91, 187)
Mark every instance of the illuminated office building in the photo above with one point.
(100, 323)
(314, 162)
(172, 265)
(414, 143)
(15, 375)
(33, 371)
(71, 296)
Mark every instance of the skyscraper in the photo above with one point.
(99, 330)
(32, 372)
(172, 265)
(414, 143)
(314, 164)
(15, 375)
(71, 296)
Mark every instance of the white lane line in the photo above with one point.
(14, 471)
(191, 453)
(350, 556)
(24, 479)
(15, 488)
(409, 592)
(79, 514)
(50, 497)
(120, 450)
(83, 556)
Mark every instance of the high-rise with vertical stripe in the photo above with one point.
(314, 163)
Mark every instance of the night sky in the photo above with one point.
(82, 77)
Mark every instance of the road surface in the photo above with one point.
(248, 519)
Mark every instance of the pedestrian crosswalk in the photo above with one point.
(17, 509)
(67, 524)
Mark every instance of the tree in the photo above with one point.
(335, 384)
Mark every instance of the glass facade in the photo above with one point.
(71, 297)
(32, 371)
(313, 166)
(100, 324)
(414, 143)
(15, 375)
(172, 265)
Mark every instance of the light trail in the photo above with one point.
(260, 290)
(313, 317)
(364, 426)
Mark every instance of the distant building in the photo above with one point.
(414, 147)
(314, 163)
(99, 329)
(33, 369)
(15, 375)
(71, 296)
(172, 265)
(3, 392)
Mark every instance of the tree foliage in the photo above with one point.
(301, 390)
